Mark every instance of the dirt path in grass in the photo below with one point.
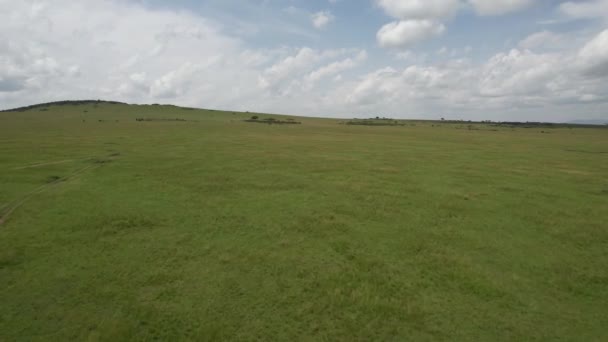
(8, 209)
(48, 163)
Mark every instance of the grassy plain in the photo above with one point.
(219, 229)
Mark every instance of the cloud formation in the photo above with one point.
(499, 7)
(519, 79)
(322, 19)
(419, 9)
(418, 20)
(77, 50)
(404, 33)
(423, 19)
(585, 9)
(594, 56)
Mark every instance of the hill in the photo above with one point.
(590, 122)
(143, 222)
(61, 103)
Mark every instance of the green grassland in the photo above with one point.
(213, 228)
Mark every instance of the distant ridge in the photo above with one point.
(592, 123)
(61, 103)
(589, 122)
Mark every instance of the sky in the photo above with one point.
(507, 60)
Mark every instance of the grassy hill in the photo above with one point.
(126, 222)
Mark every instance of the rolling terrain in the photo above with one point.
(125, 222)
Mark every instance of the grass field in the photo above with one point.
(218, 229)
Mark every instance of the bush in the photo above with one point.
(255, 117)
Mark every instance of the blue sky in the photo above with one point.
(461, 59)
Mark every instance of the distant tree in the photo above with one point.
(255, 117)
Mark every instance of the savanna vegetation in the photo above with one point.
(157, 222)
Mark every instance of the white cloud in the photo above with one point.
(419, 9)
(519, 82)
(149, 56)
(380, 84)
(334, 69)
(27, 66)
(423, 19)
(84, 50)
(410, 57)
(322, 19)
(594, 56)
(286, 69)
(519, 73)
(418, 20)
(499, 7)
(174, 83)
(545, 40)
(585, 9)
(399, 34)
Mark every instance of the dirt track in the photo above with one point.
(12, 206)
(47, 163)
